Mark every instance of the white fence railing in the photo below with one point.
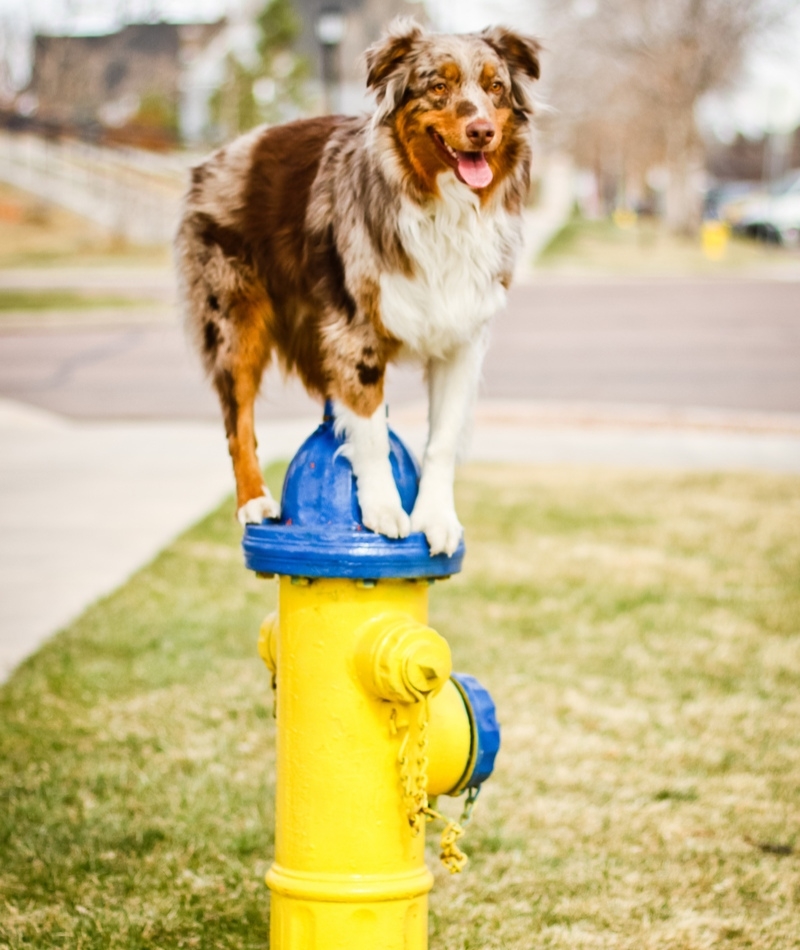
(134, 195)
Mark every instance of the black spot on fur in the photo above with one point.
(211, 232)
(211, 338)
(225, 386)
(199, 176)
(213, 302)
(368, 351)
(368, 375)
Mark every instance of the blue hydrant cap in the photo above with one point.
(486, 729)
(320, 532)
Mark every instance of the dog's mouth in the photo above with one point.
(470, 167)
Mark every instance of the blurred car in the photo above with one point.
(722, 198)
(771, 215)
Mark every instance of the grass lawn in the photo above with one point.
(647, 249)
(639, 632)
(35, 300)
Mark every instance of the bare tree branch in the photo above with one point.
(625, 81)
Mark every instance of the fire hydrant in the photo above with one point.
(371, 726)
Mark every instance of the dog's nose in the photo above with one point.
(480, 132)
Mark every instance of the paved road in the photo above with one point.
(723, 344)
(726, 345)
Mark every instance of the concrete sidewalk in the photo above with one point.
(83, 505)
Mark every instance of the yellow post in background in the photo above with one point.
(715, 236)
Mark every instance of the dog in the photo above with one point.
(340, 244)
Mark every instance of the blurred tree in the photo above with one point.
(271, 87)
(280, 84)
(233, 106)
(627, 76)
(157, 112)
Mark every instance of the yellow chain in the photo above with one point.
(421, 780)
(414, 783)
(413, 780)
(451, 856)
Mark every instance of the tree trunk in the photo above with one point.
(683, 204)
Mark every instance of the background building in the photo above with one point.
(130, 80)
(155, 84)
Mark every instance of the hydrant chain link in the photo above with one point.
(451, 856)
(421, 791)
(415, 796)
(415, 793)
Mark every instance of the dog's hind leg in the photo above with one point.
(237, 376)
(230, 318)
(236, 348)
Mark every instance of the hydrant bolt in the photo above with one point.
(424, 671)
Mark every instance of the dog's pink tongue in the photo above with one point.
(474, 169)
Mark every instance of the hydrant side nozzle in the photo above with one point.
(268, 641)
(401, 660)
(464, 737)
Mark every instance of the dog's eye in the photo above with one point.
(439, 88)
(496, 86)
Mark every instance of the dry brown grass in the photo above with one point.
(641, 637)
(34, 232)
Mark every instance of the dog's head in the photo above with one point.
(455, 102)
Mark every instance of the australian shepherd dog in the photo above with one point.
(339, 244)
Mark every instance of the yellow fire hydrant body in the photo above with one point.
(369, 722)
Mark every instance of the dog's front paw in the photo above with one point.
(382, 512)
(257, 509)
(440, 526)
(389, 520)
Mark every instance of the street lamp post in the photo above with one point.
(329, 29)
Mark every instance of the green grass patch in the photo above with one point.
(15, 300)
(639, 633)
(647, 248)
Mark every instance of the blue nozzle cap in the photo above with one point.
(485, 728)
(320, 532)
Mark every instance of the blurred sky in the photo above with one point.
(89, 15)
(766, 99)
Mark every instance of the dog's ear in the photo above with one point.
(388, 68)
(521, 52)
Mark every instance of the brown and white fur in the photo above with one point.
(340, 244)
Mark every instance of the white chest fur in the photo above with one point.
(458, 251)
